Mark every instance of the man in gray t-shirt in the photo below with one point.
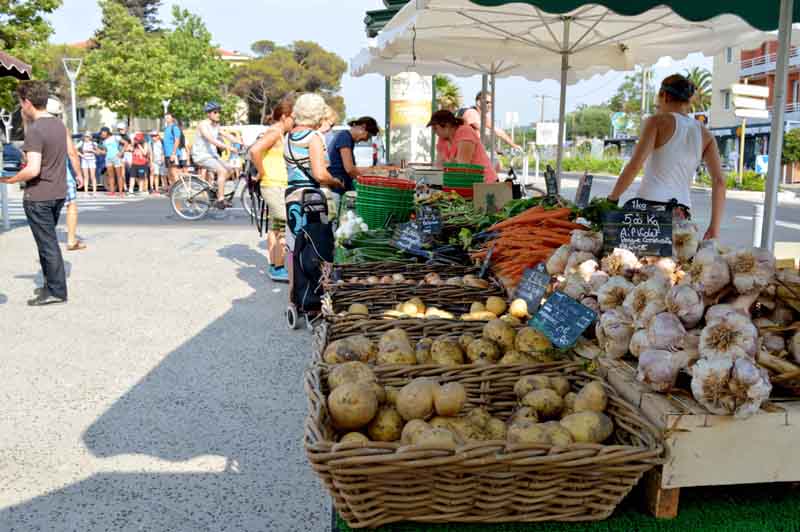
(45, 177)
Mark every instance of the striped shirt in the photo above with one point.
(88, 150)
(296, 153)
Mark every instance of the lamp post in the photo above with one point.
(72, 66)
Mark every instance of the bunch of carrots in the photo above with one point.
(525, 240)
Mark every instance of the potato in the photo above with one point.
(386, 279)
(501, 333)
(387, 425)
(446, 352)
(449, 399)
(524, 413)
(541, 358)
(415, 399)
(519, 309)
(441, 422)
(357, 347)
(394, 347)
(464, 429)
(391, 395)
(496, 429)
(417, 302)
(394, 314)
(476, 307)
(528, 432)
(398, 277)
(483, 349)
(436, 438)
(528, 383)
(423, 351)
(592, 397)
(392, 337)
(478, 417)
(515, 357)
(412, 430)
(434, 312)
(588, 427)
(529, 340)
(560, 385)
(352, 405)
(358, 308)
(496, 305)
(380, 392)
(483, 315)
(454, 281)
(465, 339)
(354, 437)
(569, 404)
(558, 434)
(433, 278)
(350, 372)
(372, 279)
(511, 320)
(547, 403)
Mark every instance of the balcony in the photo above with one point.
(791, 112)
(765, 63)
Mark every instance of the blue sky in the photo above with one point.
(338, 25)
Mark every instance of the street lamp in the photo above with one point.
(72, 66)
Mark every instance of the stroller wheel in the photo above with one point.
(291, 317)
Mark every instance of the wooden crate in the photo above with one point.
(705, 449)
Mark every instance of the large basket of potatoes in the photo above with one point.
(357, 275)
(481, 444)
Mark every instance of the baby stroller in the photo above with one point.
(309, 237)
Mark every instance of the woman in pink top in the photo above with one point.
(460, 143)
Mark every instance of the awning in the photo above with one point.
(11, 66)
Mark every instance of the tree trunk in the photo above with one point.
(263, 110)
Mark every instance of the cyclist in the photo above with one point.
(205, 150)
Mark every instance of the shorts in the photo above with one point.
(88, 164)
(213, 164)
(160, 169)
(72, 190)
(140, 171)
(114, 161)
(276, 203)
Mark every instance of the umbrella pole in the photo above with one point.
(776, 132)
(562, 103)
(492, 137)
(484, 88)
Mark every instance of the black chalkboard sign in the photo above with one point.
(430, 220)
(641, 226)
(533, 287)
(584, 191)
(410, 238)
(562, 320)
(550, 181)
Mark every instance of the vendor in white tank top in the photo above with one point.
(671, 148)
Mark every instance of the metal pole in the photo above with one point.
(387, 122)
(758, 224)
(493, 136)
(484, 89)
(6, 119)
(741, 152)
(644, 98)
(433, 110)
(776, 132)
(73, 76)
(562, 104)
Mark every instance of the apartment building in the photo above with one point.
(756, 67)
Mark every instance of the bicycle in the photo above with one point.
(192, 198)
(515, 158)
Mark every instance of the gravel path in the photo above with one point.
(165, 396)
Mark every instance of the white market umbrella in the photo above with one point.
(565, 35)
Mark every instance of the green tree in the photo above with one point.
(791, 147)
(589, 121)
(146, 11)
(448, 95)
(701, 78)
(198, 74)
(24, 30)
(278, 71)
(628, 99)
(129, 70)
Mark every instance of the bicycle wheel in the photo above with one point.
(190, 198)
(247, 201)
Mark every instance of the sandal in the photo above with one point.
(76, 246)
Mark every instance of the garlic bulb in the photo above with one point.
(686, 303)
(710, 378)
(597, 280)
(753, 269)
(684, 240)
(794, 347)
(639, 343)
(665, 332)
(587, 268)
(733, 335)
(709, 272)
(613, 293)
(659, 369)
(646, 300)
(750, 386)
(620, 262)
(575, 259)
(718, 312)
(575, 287)
(557, 262)
(614, 330)
(588, 241)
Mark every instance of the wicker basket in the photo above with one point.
(482, 482)
(331, 273)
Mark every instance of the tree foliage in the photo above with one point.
(448, 94)
(146, 11)
(701, 78)
(54, 67)
(791, 147)
(628, 99)
(589, 121)
(279, 71)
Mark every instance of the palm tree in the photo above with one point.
(701, 78)
(448, 95)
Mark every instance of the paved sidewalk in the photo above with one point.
(165, 396)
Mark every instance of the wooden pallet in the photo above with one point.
(705, 449)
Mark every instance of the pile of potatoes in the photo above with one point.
(468, 280)
(550, 413)
(499, 343)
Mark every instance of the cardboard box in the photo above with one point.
(491, 197)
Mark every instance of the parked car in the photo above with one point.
(12, 159)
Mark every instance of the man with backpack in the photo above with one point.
(472, 117)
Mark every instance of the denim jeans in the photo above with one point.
(43, 218)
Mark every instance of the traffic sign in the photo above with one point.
(751, 113)
(757, 91)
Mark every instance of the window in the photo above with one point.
(727, 96)
(795, 89)
(729, 55)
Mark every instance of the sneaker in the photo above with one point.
(45, 298)
(280, 274)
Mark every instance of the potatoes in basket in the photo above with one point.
(528, 383)
(350, 372)
(394, 347)
(519, 309)
(354, 437)
(357, 347)
(529, 340)
(436, 438)
(447, 352)
(423, 351)
(547, 403)
(501, 333)
(412, 430)
(592, 397)
(358, 308)
(588, 427)
(415, 399)
(352, 405)
(483, 350)
(449, 399)
(387, 425)
(526, 431)
(496, 305)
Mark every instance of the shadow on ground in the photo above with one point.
(234, 392)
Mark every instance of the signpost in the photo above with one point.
(532, 287)
(641, 226)
(584, 191)
(749, 101)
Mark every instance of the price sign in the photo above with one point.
(643, 227)
(430, 220)
(584, 191)
(533, 287)
(562, 320)
(550, 181)
(410, 238)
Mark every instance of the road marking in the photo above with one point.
(779, 223)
